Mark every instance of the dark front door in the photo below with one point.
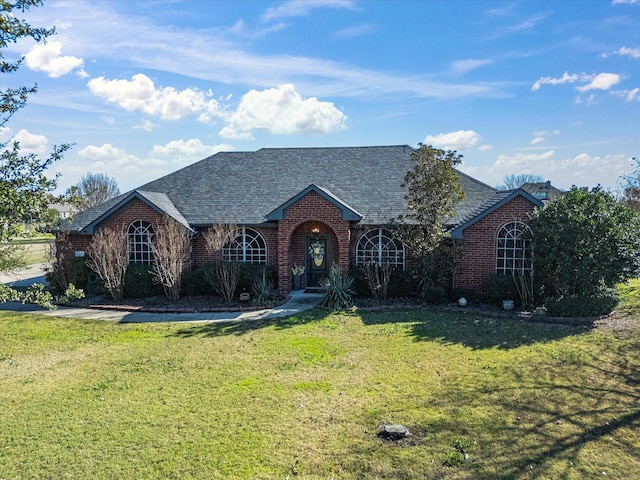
(318, 258)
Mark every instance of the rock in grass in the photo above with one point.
(394, 432)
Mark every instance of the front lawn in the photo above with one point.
(303, 397)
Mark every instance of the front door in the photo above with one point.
(318, 258)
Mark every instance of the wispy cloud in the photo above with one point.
(295, 8)
(355, 31)
(601, 81)
(467, 65)
(520, 27)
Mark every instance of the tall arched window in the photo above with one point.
(248, 246)
(139, 235)
(514, 251)
(379, 246)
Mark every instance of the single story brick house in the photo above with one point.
(311, 207)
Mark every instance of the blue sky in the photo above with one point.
(145, 88)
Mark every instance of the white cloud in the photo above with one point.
(619, 2)
(192, 149)
(464, 66)
(582, 170)
(282, 111)
(354, 32)
(140, 94)
(459, 140)
(537, 140)
(602, 81)
(47, 58)
(146, 125)
(31, 142)
(106, 153)
(296, 8)
(485, 148)
(566, 78)
(625, 52)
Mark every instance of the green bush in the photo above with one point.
(72, 270)
(138, 282)
(250, 273)
(434, 295)
(502, 287)
(194, 282)
(601, 303)
(400, 283)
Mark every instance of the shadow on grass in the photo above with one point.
(219, 329)
(473, 330)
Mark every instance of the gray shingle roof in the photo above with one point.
(243, 187)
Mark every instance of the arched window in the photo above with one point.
(379, 246)
(514, 251)
(248, 246)
(139, 235)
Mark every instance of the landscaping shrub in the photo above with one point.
(434, 295)
(66, 271)
(501, 287)
(138, 282)
(601, 303)
(337, 290)
(252, 272)
(194, 283)
(400, 283)
(264, 293)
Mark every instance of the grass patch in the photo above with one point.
(630, 297)
(303, 396)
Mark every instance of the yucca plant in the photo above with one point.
(264, 293)
(336, 290)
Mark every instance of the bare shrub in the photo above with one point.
(62, 267)
(225, 274)
(107, 256)
(378, 278)
(171, 247)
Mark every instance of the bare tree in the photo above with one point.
(516, 180)
(225, 275)
(171, 247)
(92, 189)
(108, 257)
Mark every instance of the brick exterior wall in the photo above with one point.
(310, 211)
(479, 248)
(313, 214)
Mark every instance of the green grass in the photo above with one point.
(302, 397)
(36, 248)
(630, 297)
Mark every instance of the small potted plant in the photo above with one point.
(298, 271)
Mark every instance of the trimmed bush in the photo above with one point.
(502, 287)
(194, 282)
(138, 282)
(72, 270)
(434, 295)
(601, 303)
(400, 283)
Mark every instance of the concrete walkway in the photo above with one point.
(298, 302)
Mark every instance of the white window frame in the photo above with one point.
(139, 237)
(513, 251)
(373, 247)
(249, 246)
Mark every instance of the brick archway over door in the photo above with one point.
(309, 209)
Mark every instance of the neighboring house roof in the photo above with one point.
(496, 201)
(252, 188)
(543, 191)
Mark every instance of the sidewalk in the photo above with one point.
(298, 302)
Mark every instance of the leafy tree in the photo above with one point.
(584, 242)
(433, 190)
(92, 189)
(631, 188)
(25, 191)
(516, 180)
